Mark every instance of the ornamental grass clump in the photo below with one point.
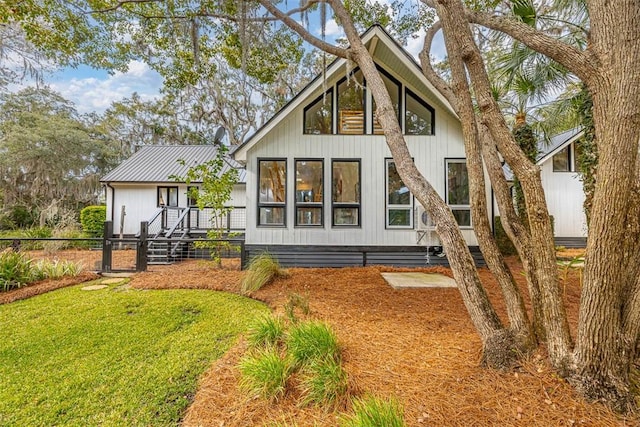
(323, 381)
(15, 270)
(266, 331)
(312, 340)
(46, 269)
(264, 372)
(372, 411)
(261, 271)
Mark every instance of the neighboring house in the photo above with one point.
(322, 188)
(563, 187)
(141, 186)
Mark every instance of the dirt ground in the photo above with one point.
(415, 345)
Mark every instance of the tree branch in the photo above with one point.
(429, 72)
(583, 63)
(303, 32)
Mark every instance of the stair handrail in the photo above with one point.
(180, 220)
(150, 224)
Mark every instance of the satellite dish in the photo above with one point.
(217, 139)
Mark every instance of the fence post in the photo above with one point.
(243, 255)
(142, 246)
(106, 247)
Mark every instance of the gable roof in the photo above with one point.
(548, 149)
(155, 163)
(380, 43)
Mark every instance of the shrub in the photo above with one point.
(262, 270)
(323, 380)
(264, 373)
(374, 412)
(266, 331)
(92, 219)
(15, 270)
(45, 269)
(311, 340)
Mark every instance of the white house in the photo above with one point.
(322, 188)
(563, 187)
(141, 187)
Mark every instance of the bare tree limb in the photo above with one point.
(427, 68)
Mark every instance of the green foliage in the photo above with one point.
(261, 271)
(374, 412)
(264, 373)
(526, 140)
(113, 357)
(587, 148)
(16, 216)
(92, 219)
(46, 269)
(323, 381)
(296, 301)
(267, 331)
(312, 340)
(502, 240)
(15, 270)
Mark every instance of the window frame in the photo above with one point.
(388, 206)
(569, 159)
(453, 208)
(328, 93)
(274, 204)
(297, 204)
(340, 205)
(191, 202)
(167, 193)
(409, 92)
(400, 100)
(364, 103)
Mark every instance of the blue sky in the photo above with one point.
(95, 90)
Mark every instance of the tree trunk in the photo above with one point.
(602, 357)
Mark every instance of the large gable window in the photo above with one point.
(272, 179)
(309, 192)
(318, 116)
(399, 199)
(418, 117)
(457, 191)
(393, 87)
(351, 105)
(345, 193)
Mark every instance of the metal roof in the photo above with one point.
(156, 163)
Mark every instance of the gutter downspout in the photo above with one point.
(113, 198)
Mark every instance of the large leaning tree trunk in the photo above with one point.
(608, 325)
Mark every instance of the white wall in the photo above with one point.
(140, 202)
(287, 140)
(565, 196)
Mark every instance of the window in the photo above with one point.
(309, 192)
(393, 87)
(272, 180)
(457, 191)
(345, 193)
(399, 199)
(318, 116)
(192, 196)
(562, 160)
(418, 117)
(167, 196)
(351, 105)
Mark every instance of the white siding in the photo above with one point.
(286, 140)
(565, 196)
(140, 202)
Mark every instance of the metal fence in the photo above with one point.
(50, 244)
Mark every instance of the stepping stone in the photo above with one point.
(94, 287)
(112, 281)
(418, 280)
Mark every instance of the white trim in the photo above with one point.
(556, 150)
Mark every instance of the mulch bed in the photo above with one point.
(43, 286)
(415, 345)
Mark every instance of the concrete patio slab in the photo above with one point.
(418, 280)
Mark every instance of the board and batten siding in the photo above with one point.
(286, 140)
(141, 202)
(565, 198)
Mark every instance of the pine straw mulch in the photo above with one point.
(416, 345)
(43, 286)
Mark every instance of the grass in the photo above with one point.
(312, 339)
(323, 381)
(374, 412)
(261, 270)
(266, 331)
(264, 373)
(112, 357)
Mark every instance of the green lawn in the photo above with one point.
(111, 357)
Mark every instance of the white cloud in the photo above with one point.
(415, 45)
(97, 94)
(332, 29)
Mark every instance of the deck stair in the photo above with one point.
(168, 230)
